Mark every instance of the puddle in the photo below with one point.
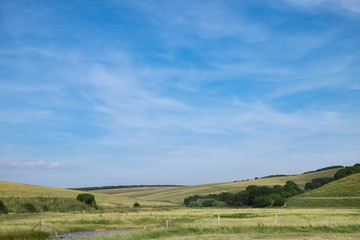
(92, 233)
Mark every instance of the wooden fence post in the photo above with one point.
(39, 225)
(275, 219)
(167, 224)
(218, 220)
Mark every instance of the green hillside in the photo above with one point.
(345, 187)
(177, 194)
(15, 195)
(341, 193)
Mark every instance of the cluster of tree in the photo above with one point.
(325, 168)
(346, 171)
(318, 182)
(276, 175)
(87, 199)
(253, 196)
(343, 172)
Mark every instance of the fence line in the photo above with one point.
(54, 231)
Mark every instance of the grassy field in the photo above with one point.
(330, 212)
(16, 194)
(191, 222)
(344, 193)
(177, 194)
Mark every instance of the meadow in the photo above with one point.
(189, 223)
(330, 212)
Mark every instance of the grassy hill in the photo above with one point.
(344, 192)
(14, 195)
(177, 194)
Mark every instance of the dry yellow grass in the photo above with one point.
(184, 217)
(19, 190)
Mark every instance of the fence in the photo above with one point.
(41, 226)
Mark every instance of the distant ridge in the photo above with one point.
(122, 186)
(325, 168)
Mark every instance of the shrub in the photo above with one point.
(195, 204)
(29, 207)
(136, 204)
(88, 199)
(318, 182)
(45, 208)
(3, 208)
(217, 203)
(262, 201)
(208, 203)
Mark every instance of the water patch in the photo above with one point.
(92, 233)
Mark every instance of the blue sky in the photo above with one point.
(96, 93)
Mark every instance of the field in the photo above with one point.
(193, 222)
(177, 194)
(329, 212)
(342, 193)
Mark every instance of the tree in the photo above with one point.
(3, 208)
(195, 204)
(88, 199)
(136, 204)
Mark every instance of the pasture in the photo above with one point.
(189, 223)
(331, 212)
(177, 194)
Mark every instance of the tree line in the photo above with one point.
(253, 196)
(341, 173)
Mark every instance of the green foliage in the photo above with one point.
(208, 203)
(136, 204)
(88, 199)
(29, 207)
(253, 196)
(219, 204)
(25, 236)
(195, 204)
(317, 182)
(344, 172)
(3, 208)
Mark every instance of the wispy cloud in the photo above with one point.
(333, 5)
(29, 164)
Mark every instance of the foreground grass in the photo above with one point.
(30, 235)
(245, 232)
(184, 219)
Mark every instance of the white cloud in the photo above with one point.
(333, 5)
(29, 164)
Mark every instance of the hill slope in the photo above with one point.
(345, 187)
(16, 194)
(344, 192)
(177, 194)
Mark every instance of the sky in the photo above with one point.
(98, 93)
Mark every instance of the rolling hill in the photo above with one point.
(16, 194)
(344, 192)
(177, 194)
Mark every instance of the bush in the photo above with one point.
(136, 204)
(195, 204)
(3, 208)
(220, 204)
(88, 199)
(318, 182)
(208, 203)
(344, 172)
(29, 207)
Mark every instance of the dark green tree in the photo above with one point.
(88, 199)
(3, 208)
